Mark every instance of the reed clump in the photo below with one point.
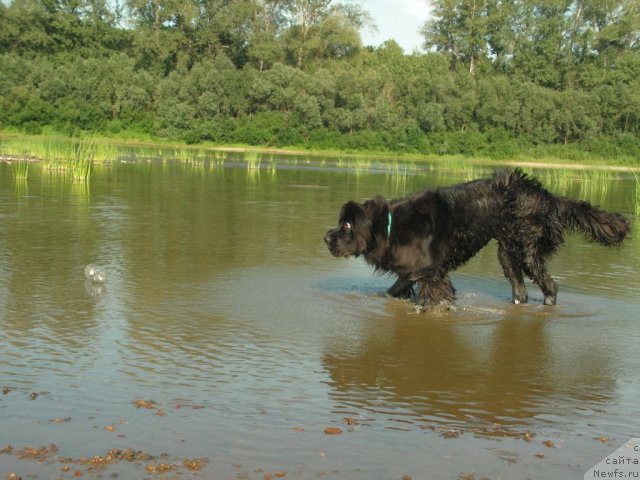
(20, 170)
(82, 161)
(253, 160)
(636, 195)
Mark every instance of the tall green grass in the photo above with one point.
(20, 170)
(594, 184)
(253, 159)
(84, 151)
(636, 196)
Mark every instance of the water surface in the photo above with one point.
(225, 332)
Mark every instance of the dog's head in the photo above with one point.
(356, 229)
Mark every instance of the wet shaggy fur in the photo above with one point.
(424, 237)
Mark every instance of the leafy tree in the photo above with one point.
(321, 30)
(25, 28)
(498, 106)
(459, 29)
(268, 22)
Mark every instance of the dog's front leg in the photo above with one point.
(402, 288)
(434, 291)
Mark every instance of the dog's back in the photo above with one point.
(529, 201)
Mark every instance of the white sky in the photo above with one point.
(400, 20)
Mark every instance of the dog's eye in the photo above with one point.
(346, 226)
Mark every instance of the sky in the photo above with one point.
(400, 20)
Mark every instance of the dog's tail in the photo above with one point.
(606, 228)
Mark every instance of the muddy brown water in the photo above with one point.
(227, 335)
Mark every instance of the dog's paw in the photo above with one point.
(437, 307)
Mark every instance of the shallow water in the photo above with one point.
(225, 332)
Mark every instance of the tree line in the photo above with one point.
(496, 78)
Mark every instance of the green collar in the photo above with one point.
(389, 225)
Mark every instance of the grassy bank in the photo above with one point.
(61, 152)
(75, 157)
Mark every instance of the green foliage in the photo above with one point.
(500, 79)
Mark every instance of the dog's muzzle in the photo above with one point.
(332, 244)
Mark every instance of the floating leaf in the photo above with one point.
(148, 404)
(194, 465)
(333, 431)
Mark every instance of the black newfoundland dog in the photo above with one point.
(423, 237)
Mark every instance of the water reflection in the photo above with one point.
(471, 374)
(95, 290)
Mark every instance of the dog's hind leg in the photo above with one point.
(513, 271)
(535, 268)
(402, 288)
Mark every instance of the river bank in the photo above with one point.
(18, 146)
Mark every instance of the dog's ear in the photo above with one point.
(357, 216)
(351, 212)
(377, 211)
